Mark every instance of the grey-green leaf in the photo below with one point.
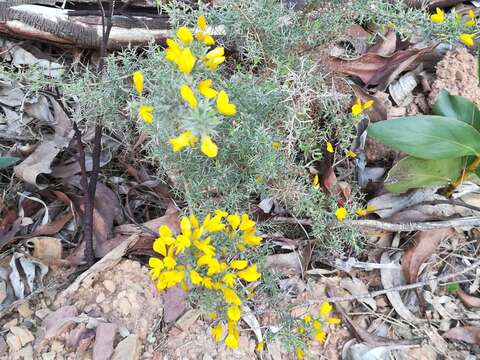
(7, 161)
(413, 173)
(457, 107)
(428, 137)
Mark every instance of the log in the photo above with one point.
(69, 27)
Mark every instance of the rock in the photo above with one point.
(58, 321)
(109, 285)
(13, 342)
(104, 338)
(43, 313)
(3, 346)
(124, 306)
(26, 353)
(23, 334)
(10, 324)
(24, 310)
(57, 346)
(49, 356)
(100, 298)
(128, 348)
(3, 290)
(188, 319)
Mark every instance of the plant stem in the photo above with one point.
(468, 171)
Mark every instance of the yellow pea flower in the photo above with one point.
(183, 140)
(364, 212)
(229, 279)
(214, 58)
(300, 353)
(156, 267)
(276, 145)
(146, 113)
(320, 335)
(325, 308)
(208, 283)
(208, 147)
(232, 340)
(316, 182)
(173, 51)
(246, 223)
(358, 108)
(233, 221)
(439, 16)
(195, 277)
(329, 147)
(185, 35)
(234, 313)
(307, 319)
(467, 39)
(186, 61)
(169, 262)
(137, 78)
(259, 347)
(205, 88)
(341, 213)
(250, 238)
(333, 321)
(217, 332)
(250, 274)
(202, 23)
(238, 264)
(231, 296)
(188, 96)
(208, 40)
(351, 154)
(471, 22)
(224, 106)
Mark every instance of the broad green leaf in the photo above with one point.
(413, 173)
(457, 107)
(7, 161)
(428, 137)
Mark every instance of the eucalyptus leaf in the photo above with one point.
(412, 173)
(457, 107)
(428, 137)
(7, 161)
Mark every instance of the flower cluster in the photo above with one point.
(358, 108)
(466, 37)
(199, 96)
(314, 326)
(198, 258)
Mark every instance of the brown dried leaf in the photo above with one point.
(387, 46)
(426, 243)
(469, 334)
(468, 300)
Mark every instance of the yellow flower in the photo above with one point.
(232, 340)
(438, 17)
(276, 145)
(195, 277)
(186, 61)
(341, 213)
(205, 88)
(320, 335)
(359, 108)
(205, 247)
(325, 308)
(217, 332)
(224, 107)
(250, 238)
(146, 113)
(231, 296)
(234, 313)
(250, 274)
(316, 182)
(188, 96)
(157, 267)
(214, 224)
(307, 319)
(173, 51)
(333, 321)
(233, 221)
(202, 23)
(137, 78)
(467, 39)
(182, 243)
(351, 154)
(185, 35)
(208, 147)
(169, 279)
(329, 147)
(213, 315)
(301, 330)
(364, 212)
(300, 353)
(208, 283)
(229, 279)
(471, 22)
(238, 264)
(214, 58)
(259, 347)
(169, 262)
(183, 140)
(246, 223)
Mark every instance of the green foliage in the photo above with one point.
(453, 288)
(441, 145)
(7, 161)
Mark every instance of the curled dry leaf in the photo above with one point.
(26, 274)
(386, 46)
(469, 334)
(426, 243)
(468, 300)
(356, 287)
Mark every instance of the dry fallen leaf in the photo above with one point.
(356, 287)
(426, 243)
(469, 334)
(468, 300)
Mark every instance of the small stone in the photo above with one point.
(23, 334)
(104, 339)
(10, 324)
(124, 306)
(43, 313)
(49, 356)
(26, 353)
(13, 342)
(56, 346)
(24, 310)
(109, 285)
(3, 290)
(128, 348)
(100, 298)
(3, 346)
(188, 319)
